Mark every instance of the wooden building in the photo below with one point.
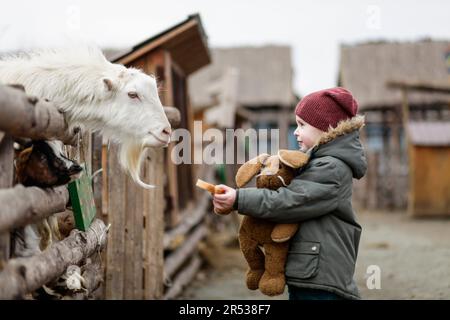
(429, 180)
(428, 145)
(366, 70)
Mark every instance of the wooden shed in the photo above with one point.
(365, 69)
(428, 153)
(429, 150)
(143, 221)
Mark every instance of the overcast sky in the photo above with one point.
(314, 29)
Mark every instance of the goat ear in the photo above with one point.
(109, 85)
(293, 158)
(25, 154)
(249, 169)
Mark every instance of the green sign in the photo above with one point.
(82, 199)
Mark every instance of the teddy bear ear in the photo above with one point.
(293, 158)
(249, 169)
(271, 166)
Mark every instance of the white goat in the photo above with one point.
(122, 103)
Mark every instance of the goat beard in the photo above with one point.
(130, 158)
(131, 153)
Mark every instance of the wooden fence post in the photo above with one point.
(114, 284)
(154, 227)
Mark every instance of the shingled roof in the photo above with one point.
(186, 42)
(365, 69)
(265, 76)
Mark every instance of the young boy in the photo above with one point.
(322, 255)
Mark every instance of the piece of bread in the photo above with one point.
(208, 187)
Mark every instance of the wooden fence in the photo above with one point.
(22, 116)
(142, 259)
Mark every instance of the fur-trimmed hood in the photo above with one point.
(343, 143)
(343, 127)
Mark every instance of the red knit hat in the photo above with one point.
(326, 108)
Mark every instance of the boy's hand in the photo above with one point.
(223, 203)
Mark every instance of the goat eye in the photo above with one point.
(133, 95)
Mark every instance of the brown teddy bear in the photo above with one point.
(266, 270)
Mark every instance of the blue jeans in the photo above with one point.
(296, 293)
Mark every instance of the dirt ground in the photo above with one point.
(413, 256)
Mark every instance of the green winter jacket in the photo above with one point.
(323, 252)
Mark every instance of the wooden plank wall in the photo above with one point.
(134, 258)
(154, 226)
(154, 206)
(116, 216)
(172, 172)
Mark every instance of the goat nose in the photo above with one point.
(75, 169)
(167, 131)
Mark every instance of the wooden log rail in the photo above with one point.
(178, 257)
(177, 235)
(183, 278)
(23, 275)
(29, 117)
(24, 205)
